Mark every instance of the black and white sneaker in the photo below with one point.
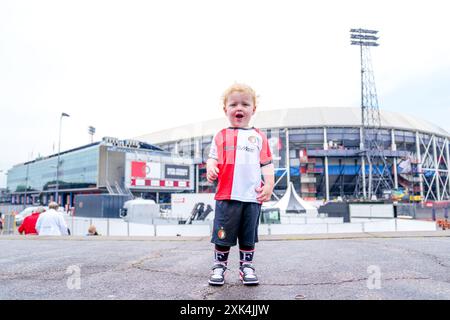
(217, 277)
(247, 275)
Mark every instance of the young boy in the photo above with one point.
(239, 156)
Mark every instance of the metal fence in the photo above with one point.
(8, 224)
(9, 208)
(422, 212)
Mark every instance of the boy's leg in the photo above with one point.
(246, 254)
(221, 254)
(247, 272)
(227, 221)
(248, 235)
(226, 226)
(220, 265)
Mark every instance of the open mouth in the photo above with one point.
(239, 116)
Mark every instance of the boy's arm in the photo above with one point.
(212, 171)
(267, 170)
(265, 192)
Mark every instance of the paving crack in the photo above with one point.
(342, 282)
(86, 270)
(138, 264)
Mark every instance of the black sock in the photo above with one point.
(221, 254)
(246, 254)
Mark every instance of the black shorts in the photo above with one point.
(236, 220)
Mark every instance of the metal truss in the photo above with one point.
(434, 168)
(379, 178)
(284, 173)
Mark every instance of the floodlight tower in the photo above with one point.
(91, 131)
(379, 177)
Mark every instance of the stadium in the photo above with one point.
(323, 147)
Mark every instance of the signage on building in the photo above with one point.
(148, 175)
(173, 171)
(121, 143)
(146, 170)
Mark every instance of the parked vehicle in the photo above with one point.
(140, 211)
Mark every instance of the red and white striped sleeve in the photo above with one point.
(265, 156)
(213, 154)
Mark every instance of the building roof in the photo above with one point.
(298, 118)
(142, 146)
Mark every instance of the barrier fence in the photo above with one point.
(423, 212)
(422, 219)
(8, 224)
(118, 227)
(9, 208)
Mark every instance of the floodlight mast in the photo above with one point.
(379, 177)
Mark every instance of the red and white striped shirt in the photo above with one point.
(240, 154)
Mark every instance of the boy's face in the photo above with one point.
(239, 109)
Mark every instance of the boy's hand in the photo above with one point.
(212, 172)
(264, 193)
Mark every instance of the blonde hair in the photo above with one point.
(238, 87)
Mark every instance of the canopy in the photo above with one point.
(292, 203)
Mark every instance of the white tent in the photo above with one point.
(291, 203)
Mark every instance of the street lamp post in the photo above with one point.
(6, 185)
(26, 186)
(59, 150)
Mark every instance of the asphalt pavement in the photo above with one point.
(346, 266)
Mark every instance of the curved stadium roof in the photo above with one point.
(298, 118)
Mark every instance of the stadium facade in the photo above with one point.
(323, 145)
(112, 166)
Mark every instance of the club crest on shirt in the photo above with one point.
(252, 139)
(221, 233)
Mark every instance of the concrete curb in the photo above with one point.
(327, 236)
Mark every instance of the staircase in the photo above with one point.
(118, 190)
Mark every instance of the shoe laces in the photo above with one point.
(248, 270)
(219, 270)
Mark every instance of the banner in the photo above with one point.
(142, 169)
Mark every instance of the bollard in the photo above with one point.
(446, 213)
(433, 214)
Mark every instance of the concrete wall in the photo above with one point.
(118, 227)
(308, 220)
(298, 228)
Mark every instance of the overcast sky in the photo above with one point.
(133, 67)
